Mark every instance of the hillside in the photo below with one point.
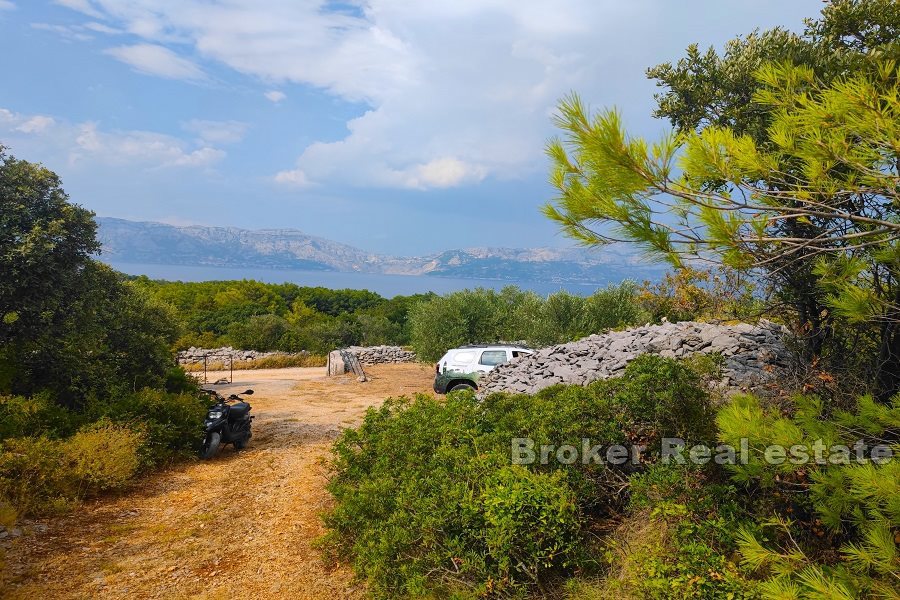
(159, 243)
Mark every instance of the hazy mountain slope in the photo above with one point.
(158, 243)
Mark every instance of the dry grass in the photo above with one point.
(285, 361)
(637, 537)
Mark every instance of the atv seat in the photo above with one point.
(238, 410)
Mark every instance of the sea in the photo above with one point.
(385, 285)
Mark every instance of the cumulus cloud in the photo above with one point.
(456, 91)
(35, 124)
(81, 143)
(275, 96)
(293, 178)
(217, 132)
(153, 59)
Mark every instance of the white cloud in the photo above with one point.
(157, 60)
(127, 147)
(87, 143)
(7, 5)
(83, 6)
(443, 173)
(101, 28)
(457, 91)
(217, 132)
(275, 96)
(294, 178)
(73, 33)
(36, 124)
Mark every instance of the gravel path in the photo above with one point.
(239, 526)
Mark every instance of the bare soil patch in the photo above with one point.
(241, 525)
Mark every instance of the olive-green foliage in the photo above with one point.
(428, 500)
(88, 391)
(171, 423)
(44, 241)
(40, 474)
(69, 325)
(811, 508)
(678, 541)
(513, 315)
(287, 317)
(52, 456)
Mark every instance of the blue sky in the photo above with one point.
(400, 127)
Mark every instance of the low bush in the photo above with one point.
(31, 475)
(37, 415)
(101, 457)
(171, 424)
(52, 458)
(678, 540)
(40, 475)
(428, 502)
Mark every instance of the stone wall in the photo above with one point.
(371, 355)
(753, 355)
(195, 355)
(379, 355)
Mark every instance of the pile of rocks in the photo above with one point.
(195, 355)
(379, 355)
(753, 355)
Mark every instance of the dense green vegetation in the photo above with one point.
(259, 316)
(89, 396)
(783, 170)
(430, 501)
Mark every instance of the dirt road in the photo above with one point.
(189, 533)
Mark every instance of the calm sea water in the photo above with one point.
(386, 285)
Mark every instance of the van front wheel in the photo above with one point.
(462, 386)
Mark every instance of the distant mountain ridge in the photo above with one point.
(195, 245)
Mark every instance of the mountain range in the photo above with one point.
(159, 243)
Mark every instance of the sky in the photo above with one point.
(396, 126)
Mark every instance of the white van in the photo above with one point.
(460, 367)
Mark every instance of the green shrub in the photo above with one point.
(487, 316)
(101, 457)
(31, 478)
(40, 475)
(427, 500)
(172, 424)
(809, 508)
(37, 415)
(678, 540)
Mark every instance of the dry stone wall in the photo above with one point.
(370, 355)
(378, 355)
(754, 354)
(195, 355)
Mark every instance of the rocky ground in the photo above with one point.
(753, 355)
(239, 526)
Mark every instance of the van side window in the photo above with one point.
(493, 357)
